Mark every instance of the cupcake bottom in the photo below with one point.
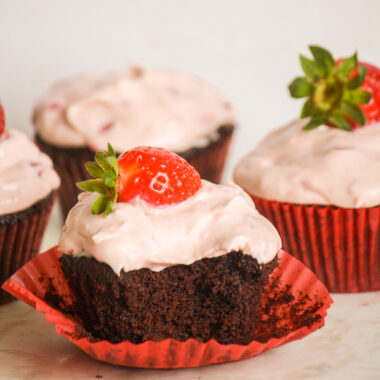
(70, 163)
(218, 298)
(341, 246)
(20, 238)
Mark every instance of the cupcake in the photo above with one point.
(134, 107)
(318, 178)
(151, 252)
(27, 186)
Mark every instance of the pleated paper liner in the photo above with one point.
(20, 238)
(294, 305)
(341, 246)
(70, 163)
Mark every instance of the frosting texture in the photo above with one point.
(90, 110)
(26, 174)
(216, 220)
(325, 166)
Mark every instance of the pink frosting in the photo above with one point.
(216, 220)
(326, 166)
(26, 174)
(132, 108)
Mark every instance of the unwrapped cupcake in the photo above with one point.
(318, 178)
(175, 256)
(27, 191)
(130, 108)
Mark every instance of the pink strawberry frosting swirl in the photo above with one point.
(131, 108)
(324, 166)
(216, 220)
(26, 174)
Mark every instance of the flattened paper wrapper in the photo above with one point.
(340, 245)
(294, 305)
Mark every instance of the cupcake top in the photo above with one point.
(164, 215)
(332, 155)
(26, 174)
(325, 166)
(89, 111)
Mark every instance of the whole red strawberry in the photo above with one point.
(343, 93)
(157, 176)
(2, 120)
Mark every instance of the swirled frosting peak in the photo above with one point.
(324, 166)
(26, 174)
(216, 220)
(131, 108)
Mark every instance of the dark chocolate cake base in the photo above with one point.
(218, 298)
(21, 234)
(70, 163)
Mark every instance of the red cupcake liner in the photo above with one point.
(70, 163)
(21, 234)
(341, 246)
(295, 303)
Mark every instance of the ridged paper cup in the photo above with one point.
(70, 163)
(20, 238)
(341, 246)
(295, 303)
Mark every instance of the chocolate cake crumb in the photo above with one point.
(217, 298)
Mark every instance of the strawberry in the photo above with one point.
(157, 176)
(2, 120)
(371, 84)
(338, 92)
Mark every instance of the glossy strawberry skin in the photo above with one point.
(372, 84)
(157, 176)
(2, 120)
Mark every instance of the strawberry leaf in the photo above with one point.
(357, 96)
(340, 121)
(355, 113)
(316, 121)
(347, 66)
(94, 170)
(300, 88)
(109, 179)
(307, 109)
(105, 171)
(99, 206)
(111, 151)
(93, 185)
(312, 69)
(323, 57)
(358, 80)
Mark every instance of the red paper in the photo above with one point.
(32, 281)
(341, 246)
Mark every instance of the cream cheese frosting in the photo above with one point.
(216, 220)
(26, 174)
(131, 108)
(324, 166)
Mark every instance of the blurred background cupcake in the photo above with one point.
(27, 191)
(318, 178)
(130, 108)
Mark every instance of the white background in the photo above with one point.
(247, 48)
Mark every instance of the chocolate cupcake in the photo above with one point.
(134, 107)
(27, 186)
(163, 254)
(318, 179)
